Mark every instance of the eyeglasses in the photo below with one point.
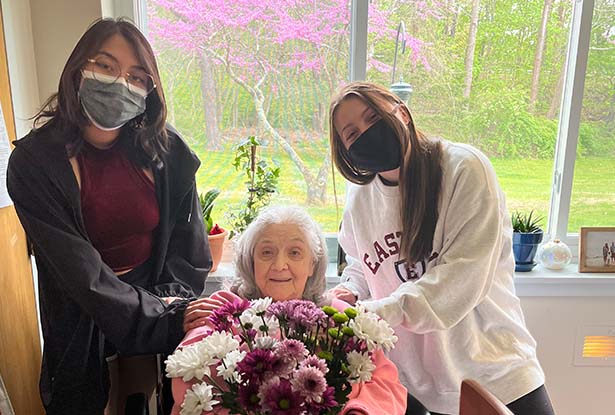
(106, 69)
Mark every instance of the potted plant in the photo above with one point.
(261, 181)
(215, 234)
(527, 235)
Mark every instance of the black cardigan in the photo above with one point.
(82, 302)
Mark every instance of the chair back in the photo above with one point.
(476, 400)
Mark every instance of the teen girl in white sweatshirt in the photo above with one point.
(428, 240)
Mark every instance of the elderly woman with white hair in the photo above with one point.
(282, 255)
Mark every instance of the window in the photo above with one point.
(487, 73)
(268, 69)
(593, 192)
(507, 76)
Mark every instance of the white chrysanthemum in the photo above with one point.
(265, 342)
(229, 373)
(249, 316)
(360, 366)
(261, 305)
(198, 399)
(219, 344)
(191, 362)
(274, 326)
(375, 331)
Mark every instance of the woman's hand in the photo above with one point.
(343, 294)
(169, 300)
(199, 310)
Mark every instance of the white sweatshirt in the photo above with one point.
(456, 313)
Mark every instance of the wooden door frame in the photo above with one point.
(20, 346)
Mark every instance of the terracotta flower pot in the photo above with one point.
(216, 246)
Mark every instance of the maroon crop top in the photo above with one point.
(119, 206)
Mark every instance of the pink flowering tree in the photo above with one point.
(260, 44)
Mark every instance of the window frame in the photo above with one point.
(570, 107)
(569, 123)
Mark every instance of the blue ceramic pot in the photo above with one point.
(525, 246)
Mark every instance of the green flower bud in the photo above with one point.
(340, 318)
(248, 326)
(327, 356)
(332, 332)
(335, 333)
(329, 310)
(348, 331)
(351, 312)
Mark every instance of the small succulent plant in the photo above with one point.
(526, 222)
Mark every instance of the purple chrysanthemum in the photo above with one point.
(282, 365)
(280, 399)
(310, 382)
(298, 313)
(355, 344)
(248, 396)
(293, 349)
(256, 364)
(227, 316)
(315, 361)
(307, 315)
(328, 401)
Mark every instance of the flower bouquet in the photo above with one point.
(288, 357)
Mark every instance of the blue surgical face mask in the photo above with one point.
(109, 105)
(376, 150)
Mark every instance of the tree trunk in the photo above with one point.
(556, 100)
(540, 49)
(170, 104)
(610, 116)
(209, 98)
(450, 26)
(316, 186)
(559, 87)
(469, 60)
(453, 28)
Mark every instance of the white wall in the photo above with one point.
(56, 27)
(40, 35)
(21, 62)
(554, 322)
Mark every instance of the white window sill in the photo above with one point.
(568, 282)
(540, 282)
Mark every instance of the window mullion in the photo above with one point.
(121, 8)
(358, 39)
(570, 118)
(140, 15)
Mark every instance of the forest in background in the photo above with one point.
(485, 72)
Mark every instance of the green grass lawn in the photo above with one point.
(527, 184)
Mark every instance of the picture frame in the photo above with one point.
(597, 249)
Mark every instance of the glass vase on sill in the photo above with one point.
(554, 254)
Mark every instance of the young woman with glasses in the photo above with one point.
(106, 193)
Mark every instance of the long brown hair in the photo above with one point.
(63, 110)
(420, 178)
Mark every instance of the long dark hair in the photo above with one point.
(420, 178)
(63, 110)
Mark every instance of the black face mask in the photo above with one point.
(377, 149)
